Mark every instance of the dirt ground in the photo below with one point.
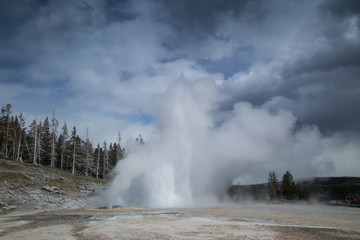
(240, 221)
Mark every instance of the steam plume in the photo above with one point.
(193, 158)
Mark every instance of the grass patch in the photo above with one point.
(15, 179)
(25, 175)
(4, 166)
(12, 176)
(82, 180)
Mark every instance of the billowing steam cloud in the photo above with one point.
(194, 158)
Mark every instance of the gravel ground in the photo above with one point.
(241, 221)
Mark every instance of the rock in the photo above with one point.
(51, 189)
(61, 178)
(8, 208)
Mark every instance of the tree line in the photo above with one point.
(287, 189)
(46, 143)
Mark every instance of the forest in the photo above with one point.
(47, 143)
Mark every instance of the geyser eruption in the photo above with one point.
(159, 173)
(194, 158)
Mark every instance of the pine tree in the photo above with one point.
(120, 152)
(273, 185)
(87, 152)
(21, 130)
(105, 160)
(288, 187)
(46, 139)
(74, 144)
(112, 153)
(65, 135)
(98, 155)
(39, 145)
(139, 139)
(6, 111)
(33, 132)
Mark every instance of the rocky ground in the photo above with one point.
(26, 187)
(240, 221)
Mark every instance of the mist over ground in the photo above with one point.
(195, 157)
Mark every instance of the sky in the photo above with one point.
(101, 64)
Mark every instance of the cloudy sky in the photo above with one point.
(100, 63)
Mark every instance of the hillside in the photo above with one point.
(29, 187)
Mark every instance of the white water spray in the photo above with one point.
(159, 172)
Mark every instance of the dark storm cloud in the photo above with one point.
(332, 72)
(303, 56)
(340, 9)
(201, 17)
(197, 24)
(317, 76)
(119, 11)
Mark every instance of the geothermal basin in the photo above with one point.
(237, 221)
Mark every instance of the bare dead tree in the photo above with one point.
(54, 127)
(87, 143)
(105, 160)
(97, 161)
(64, 137)
(21, 128)
(35, 141)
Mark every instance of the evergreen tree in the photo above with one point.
(21, 132)
(112, 153)
(303, 192)
(46, 142)
(139, 139)
(33, 133)
(273, 185)
(74, 140)
(64, 137)
(120, 152)
(288, 187)
(105, 161)
(98, 156)
(87, 143)
(39, 145)
(89, 160)
(6, 111)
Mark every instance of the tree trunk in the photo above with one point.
(35, 136)
(87, 153)
(62, 154)
(104, 160)
(18, 150)
(27, 147)
(53, 151)
(97, 163)
(7, 135)
(73, 165)
(39, 146)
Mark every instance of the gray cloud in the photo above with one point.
(340, 9)
(315, 74)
